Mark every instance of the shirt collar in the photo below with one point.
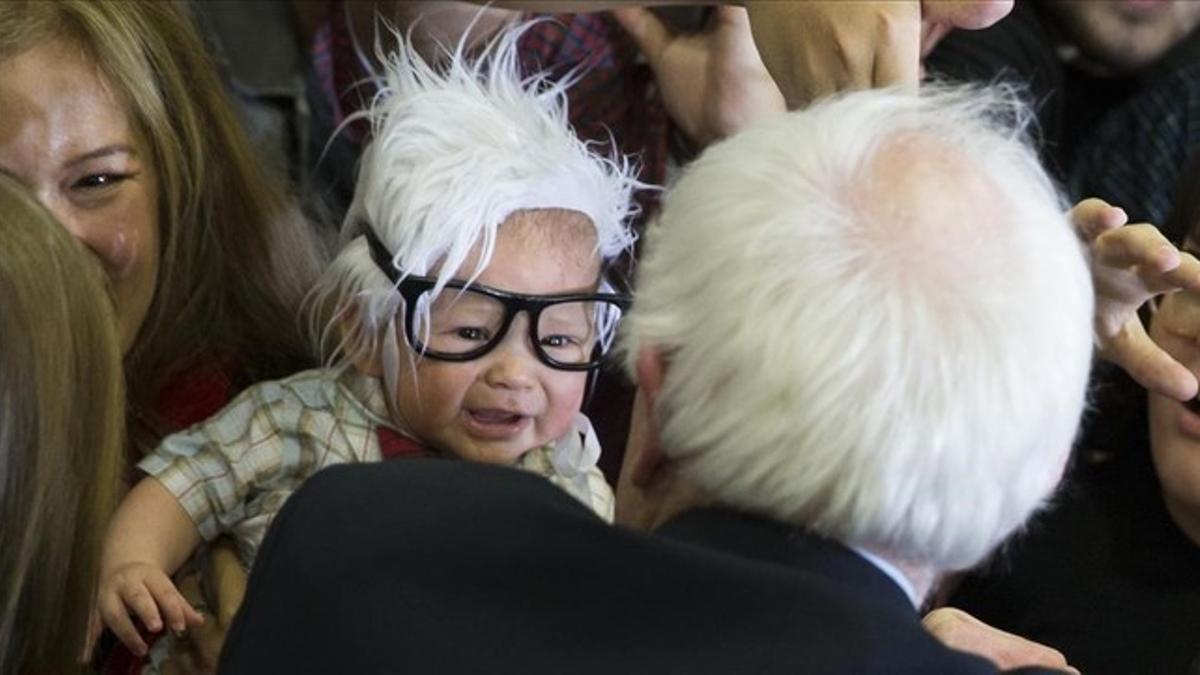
(892, 571)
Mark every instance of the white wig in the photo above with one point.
(455, 150)
(876, 319)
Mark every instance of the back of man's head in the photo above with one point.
(876, 322)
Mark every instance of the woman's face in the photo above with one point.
(68, 138)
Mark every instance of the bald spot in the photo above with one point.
(929, 210)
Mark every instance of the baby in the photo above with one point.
(468, 307)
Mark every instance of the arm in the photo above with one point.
(816, 47)
(150, 537)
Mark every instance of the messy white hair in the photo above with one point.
(876, 321)
(456, 149)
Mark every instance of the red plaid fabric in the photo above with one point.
(393, 445)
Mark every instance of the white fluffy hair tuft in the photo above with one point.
(876, 321)
(459, 148)
(455, 149)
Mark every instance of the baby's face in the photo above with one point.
(495, 408)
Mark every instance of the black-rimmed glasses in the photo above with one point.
(466, 321)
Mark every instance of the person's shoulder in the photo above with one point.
(443, 489)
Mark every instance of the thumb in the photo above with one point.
(1093, 217)
(647, 30)
(732, 15)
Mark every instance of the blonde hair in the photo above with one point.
(61, 431)
(236, 255)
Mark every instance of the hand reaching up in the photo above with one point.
(713, 83)
(1130, 265)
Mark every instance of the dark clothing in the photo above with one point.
(1136, 156)
(1029, 48)
(1104, 576)
(451, 567)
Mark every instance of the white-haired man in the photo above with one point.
(861, 339)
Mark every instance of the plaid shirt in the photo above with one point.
(233, 472)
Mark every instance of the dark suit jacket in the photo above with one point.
(434, 566)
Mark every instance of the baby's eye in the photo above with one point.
(472, 333)
(559, 341)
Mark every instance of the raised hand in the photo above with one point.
(713, 82)
(1130, 265)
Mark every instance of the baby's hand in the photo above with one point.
(146, 591)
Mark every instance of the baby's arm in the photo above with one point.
(150, 537)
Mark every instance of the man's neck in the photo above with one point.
(915, 580)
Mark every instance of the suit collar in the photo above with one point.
(765, 540)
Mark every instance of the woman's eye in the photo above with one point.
(97, 181)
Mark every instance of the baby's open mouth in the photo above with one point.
(496, 416)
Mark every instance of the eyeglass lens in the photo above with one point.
(463, 321)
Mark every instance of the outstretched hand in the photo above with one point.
(817, 47)
(1130, 265)
(713, 83)
(820, 47)
(958, 630)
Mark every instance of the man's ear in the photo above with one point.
(648, 459)
(354, 339)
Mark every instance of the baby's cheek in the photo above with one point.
(565, 401)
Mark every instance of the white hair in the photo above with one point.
(876, 319)
(456, 149)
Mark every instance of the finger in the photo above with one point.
(1149, 365)
(898, 56)
(193, 597)
(1142, 245)
(140, 601)
(649, 33)
(961, 631)
(112, 609)
(1185, 276)
(970, 15)
(176, 611)
(731, 15)
(1092, 217)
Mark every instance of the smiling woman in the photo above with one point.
(68, 137)
(116, 120)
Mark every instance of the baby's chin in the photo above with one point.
(501, 453)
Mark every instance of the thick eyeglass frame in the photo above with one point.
(411, 288)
